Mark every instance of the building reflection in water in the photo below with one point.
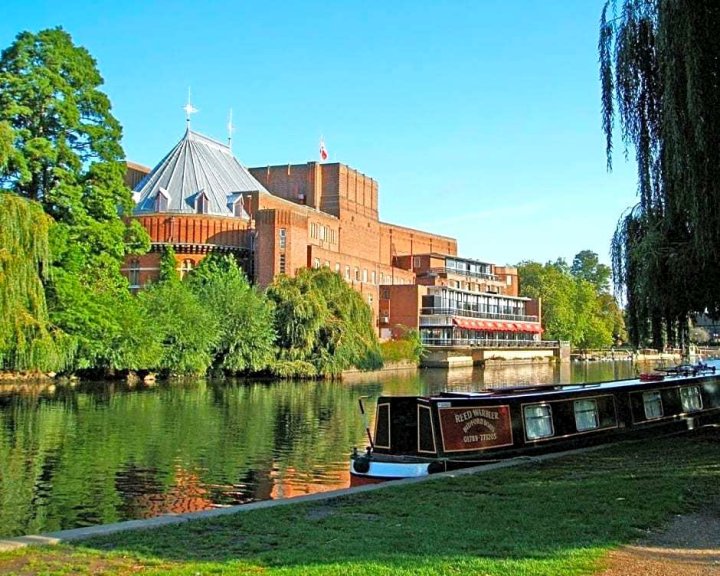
(74, 455)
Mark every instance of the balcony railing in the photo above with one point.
(466, 273)
(476, 314)
(490, 343)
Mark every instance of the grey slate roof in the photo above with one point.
(196, 165)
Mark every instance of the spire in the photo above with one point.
(189, 109)
(230, 129)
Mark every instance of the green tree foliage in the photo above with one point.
(6, 144)
(587, 267)
(321, 320)
(575, 305)
(245, 317)
(409, 347)
(27, 339)
(187, 330)
(66, 154)
(658, 65)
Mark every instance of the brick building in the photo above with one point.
(278, 219)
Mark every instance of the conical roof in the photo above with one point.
(196, 167)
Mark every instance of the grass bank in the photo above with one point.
(556, 517)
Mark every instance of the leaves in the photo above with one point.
(576, 306)
(322, 320)
(658, 66)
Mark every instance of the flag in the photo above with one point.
(323, 151)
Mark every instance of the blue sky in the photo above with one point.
(480, 119)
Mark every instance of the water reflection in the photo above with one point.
(95, 453)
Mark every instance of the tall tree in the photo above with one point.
(575, 308)
(587, 266)
(658, 66)
(66, 155)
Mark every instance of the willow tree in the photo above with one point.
(320, 320)
(65, 154)
(660, 86)
(27, 341)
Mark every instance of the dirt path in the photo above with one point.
(689, 546)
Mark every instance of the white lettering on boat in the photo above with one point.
(475, 413)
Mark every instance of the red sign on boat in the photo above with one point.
(475, 427)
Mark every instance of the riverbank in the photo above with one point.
(553, 517)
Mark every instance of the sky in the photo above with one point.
(479, 119)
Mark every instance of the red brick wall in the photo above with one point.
(195, 229)
(402, 307)
(399, 241)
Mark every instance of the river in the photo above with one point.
(101, 452)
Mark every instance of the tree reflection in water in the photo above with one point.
(103, 452)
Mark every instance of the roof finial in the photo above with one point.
(230, 129)
(189, 109)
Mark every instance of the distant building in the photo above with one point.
(278, 219)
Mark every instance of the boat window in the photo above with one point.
(426, 439)
(653, 404)
(382, 426)
(586, 415)
(538, 421)
(691, 399)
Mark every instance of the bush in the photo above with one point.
(409, 347)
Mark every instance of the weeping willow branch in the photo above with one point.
(660, 87)
(26, 339)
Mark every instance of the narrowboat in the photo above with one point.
(421, 435)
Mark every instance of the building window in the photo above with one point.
(282, 238)
(373, 277)
(134, 275)
(386, 293)
(691, 399)
(347, 273)
(653, 404)
(586, 415)
(313, 230)
(357, 274)
(186, 268)
(417, 262)
(322, 232)
(337, 267)
(316, 263)
(364, 276)
(282, 263)
(538, 421)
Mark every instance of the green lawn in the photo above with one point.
(557, 517)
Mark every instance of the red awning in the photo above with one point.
(529, 327)
(470, 324)
(474, 324)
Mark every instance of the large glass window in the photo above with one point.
(538, 421)
(653, 404)
(691, 399)
(586, 415)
